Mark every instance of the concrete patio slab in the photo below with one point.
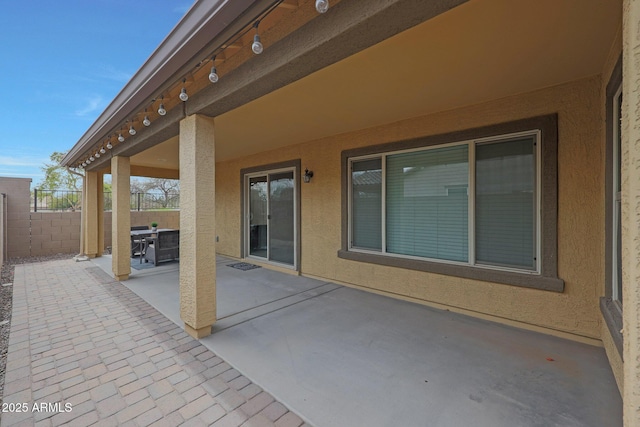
(343, 357)
(85, 350)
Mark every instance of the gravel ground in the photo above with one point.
(6, 303)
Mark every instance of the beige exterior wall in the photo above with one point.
(580, 208)
(614, 356)
(630, 212)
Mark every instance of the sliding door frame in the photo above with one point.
(265, 170)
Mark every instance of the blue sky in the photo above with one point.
(61, 64)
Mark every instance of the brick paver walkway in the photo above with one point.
(86, 350)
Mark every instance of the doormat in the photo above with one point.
(244, 266)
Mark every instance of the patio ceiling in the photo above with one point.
(476, 52)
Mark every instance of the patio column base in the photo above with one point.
(122, 277)
(198, 333)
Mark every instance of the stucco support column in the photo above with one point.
(631, 209)
(100, 207)
(121, 218)
(91, 215)
(197, 225)
(83, 217)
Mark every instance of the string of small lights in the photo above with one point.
(256, 47)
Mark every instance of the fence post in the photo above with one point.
(138, 202)
(35, 200)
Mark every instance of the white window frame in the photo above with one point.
(471, 205)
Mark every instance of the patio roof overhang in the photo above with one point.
(323, 75)
(205, 27)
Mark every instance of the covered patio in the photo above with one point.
(475, 156)
(325, 351)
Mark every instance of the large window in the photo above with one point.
(616, 200)
(611, 303)
(420, 204)
(506, 195)
(480, 203)
(427, 203)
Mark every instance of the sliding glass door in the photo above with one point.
(271, 228)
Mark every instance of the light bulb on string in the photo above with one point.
(161, 109)
(257, 47)
(322, 6)
(146, 121)
(213, 75)
(183, 92)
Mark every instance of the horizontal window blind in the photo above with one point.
(418, 203)
(366, 204)
(427, 203)
(505, 203)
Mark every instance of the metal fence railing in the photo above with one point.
(56, 200)
(71, 200)
(148, 201)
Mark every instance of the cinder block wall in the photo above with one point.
(2, 228)
(18, 198)
(59, 232)
(48, 233)
(55, 232)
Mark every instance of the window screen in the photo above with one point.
(505, 203)
(366, 204)
(427, 203)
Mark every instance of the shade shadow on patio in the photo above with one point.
(339, 356)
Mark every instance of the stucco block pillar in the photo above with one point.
(100, 214)
(90, 214)
(197, 225)
(121, 218)
(631, 209)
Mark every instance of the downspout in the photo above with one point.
(81, 256)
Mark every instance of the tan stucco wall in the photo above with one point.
(615, 359)
(580, 212)
(630, 211)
